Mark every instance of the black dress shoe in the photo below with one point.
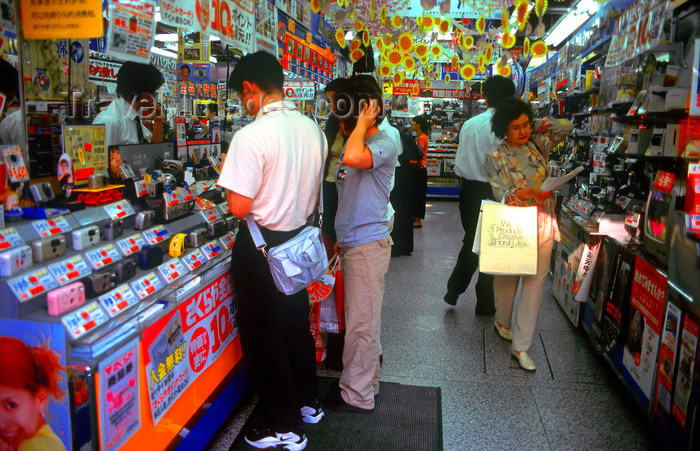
(336, 403)
(451, 297)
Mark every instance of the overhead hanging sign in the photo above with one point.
(62, 19)
(266, 26)
(299, 90)
(131, 30)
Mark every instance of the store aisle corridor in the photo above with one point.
(572, 401)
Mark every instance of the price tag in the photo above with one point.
(53, 226)
(119, 210)
(156, 235)
(147, 285)
(211, 215)
(118, 300)
(69, 269)
(172, 199)
(131, 245)
(10, 238)
(83, 320)
(140, 188)
(227, 240)
(571, 202)
(212, 249)
(16, 169)
(102, 256)
(194, 259)
(29, 285)
(188, 195)
(172, 270)
(224, 208)
(695, 223)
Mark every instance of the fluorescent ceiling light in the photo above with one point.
(214, 38)
(167, 37)
(163, 52)
(576, 17)
(171, 46)
(213, 59)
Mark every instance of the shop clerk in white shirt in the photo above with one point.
(273, 171)
(136, 89)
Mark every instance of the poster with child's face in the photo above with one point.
(33, 387)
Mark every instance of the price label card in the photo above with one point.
(16, 169)
(172, 270)
(212, 249)
(69, 269)
(211, 215)
(140, 188)
(156, 235)
(224, 208)
(194, 259)
(118, 300)
(131, 245)
(227, 240)
(103, 256)
(83, 320)
(10, 238)
(119, 210)
(53, 226)
(172, 199)
(147, 285)
(188, 195)
(26, 286)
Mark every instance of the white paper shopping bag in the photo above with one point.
(508, 240)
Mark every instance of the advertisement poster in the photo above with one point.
(36, 351)
(192, 47)
(52, 20)
(686, 369)
(584, 275)
(403, 106)
(182, 344)
(266, 26)
(103, 69)
(45, 67)
(131, 30)
(566, 263)
(120, 414)
(647, 303)
(667, 362)
(85, 145)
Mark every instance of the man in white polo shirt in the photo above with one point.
(273, 171)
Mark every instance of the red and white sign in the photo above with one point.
(299, 90)
(664, 181)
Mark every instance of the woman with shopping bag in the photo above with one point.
(516, 170)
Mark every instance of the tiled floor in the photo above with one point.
(572, 401)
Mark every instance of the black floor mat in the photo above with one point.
(406, 417)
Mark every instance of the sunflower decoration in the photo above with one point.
(358, 26)
(488, 54)
(315, 6)
(422, 50)
(504, 19)
(340, 37)
(426, 22)
(507, 40)
(504, 71)
(454, 60)
(365, 37)
(394, 57)
(409, 63)
(372, 7)
(415, 90)
(427, 83)
(540, 7)
(467, 42)
(526, 47)
(445, 26)
(436, 75)
(522, 11)
(398, 78)
(436, 51)
(482, 62)
(396, 21)
(354, 45)
(481, 24)
(384, 71)
(405, 42)
(468, 71)
(379, 43)
(387, 40)
(539, 48)
(447, 78)
(355, 55)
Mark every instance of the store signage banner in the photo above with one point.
(120, 413)
(131, 30)
(647, 303)
(182, 345)
(103, 69)
(164, 63)
(299, 90)
(638, 30)
(52, 338)
(266, 26)
(62, 19)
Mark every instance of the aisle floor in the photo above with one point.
(572, 401)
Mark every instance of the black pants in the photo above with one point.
(421, 193)
(330, 207)
(471, 194)
(278, 348)
(402, 198)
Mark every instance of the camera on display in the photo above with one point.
(144, 219)
(65, 299)
(98, 283)
(113, 230)
(48, 248)
(15, 260)
(87, 237)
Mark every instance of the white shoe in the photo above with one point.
(524, 360)
(506, 334)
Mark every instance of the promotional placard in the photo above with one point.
(667, 362)
(53, 226)
(31, 284)
(686, 370)
(118, 300)
(131, 245)
(9, 238)
(53, 20)
(120, 411)
(102, 256)
(131, 30)
(81, 321)
(14, 162)
(182, 344)
(86, 147)
(69, 270)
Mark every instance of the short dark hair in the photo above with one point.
(508, 110)
(186, 66)
(335, 85)
(9, 80)
(352, 96)
(261, 68)
(423, 123)
(497, 88)
(135, 79)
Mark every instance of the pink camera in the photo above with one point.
(66, 298)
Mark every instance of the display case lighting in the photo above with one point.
(166, 37)
(571, 22)
(163, 52)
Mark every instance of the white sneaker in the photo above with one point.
(312, 414)
(265, 438)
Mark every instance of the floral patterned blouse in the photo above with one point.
(510, 168)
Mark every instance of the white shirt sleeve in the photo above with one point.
(243, 170)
